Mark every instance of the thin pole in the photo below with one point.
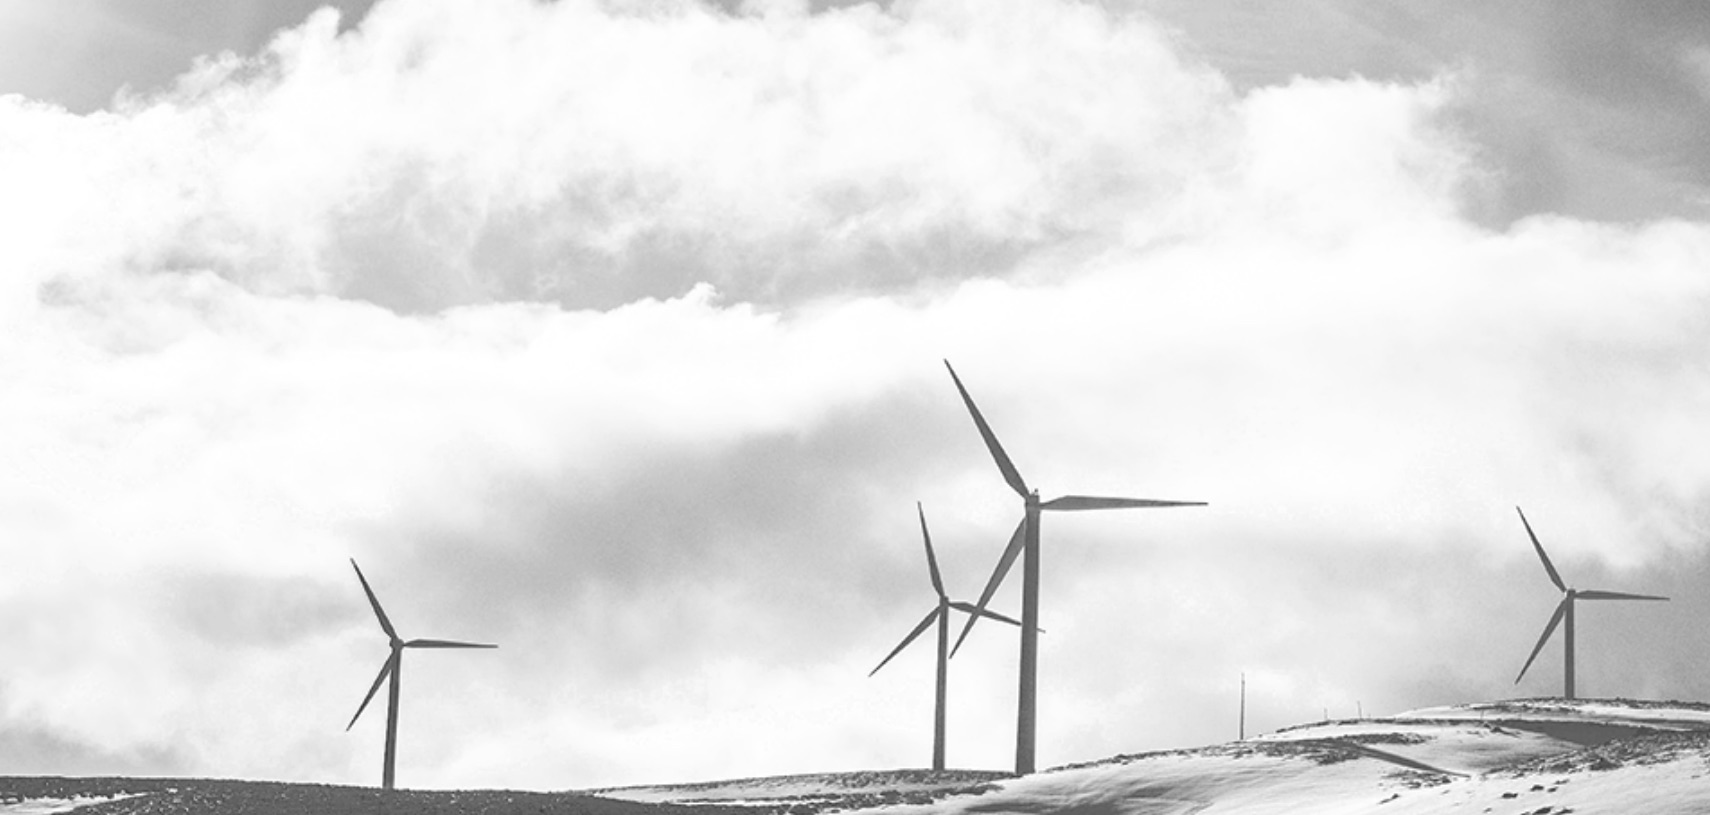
(1026, 725)
(1243, 731)
(1568, 649)
(943, 685)
(390, 772)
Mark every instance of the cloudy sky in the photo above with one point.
(611, 332)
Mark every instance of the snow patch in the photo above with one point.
(50, 806)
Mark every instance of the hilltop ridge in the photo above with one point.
(1544, 756)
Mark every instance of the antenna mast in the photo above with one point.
(1243, 706)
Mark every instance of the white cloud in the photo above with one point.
(452, 152)
(429, 294)
(1697, 62)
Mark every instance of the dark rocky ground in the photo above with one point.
(176, 796)
(187, 796)
(821, 792)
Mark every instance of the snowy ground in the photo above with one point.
(1538, 757)
(1523, 757)
(49, 806)
(1535, 756)
(821, 792)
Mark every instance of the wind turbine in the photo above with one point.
(1026, 540)
(394, 665)
(940, 613)
(1564, 611)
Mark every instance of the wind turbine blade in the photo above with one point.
(970, 608)
(1016, 543)
(385, 671)
(385, 624)
(445, 644)
(1076, 503)
(1555, 620)
(912, 635)
(1548, 566)
(1009, 473)
(1615, 595)
(931, 559)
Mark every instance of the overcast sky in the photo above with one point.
(612, 333)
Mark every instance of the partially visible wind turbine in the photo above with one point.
(1026, 539)
(940, 613)
(390, 670)
(1564, 611)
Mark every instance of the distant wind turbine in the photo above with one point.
(1026, 540)
(394, 665)
(940, 613)
(1564, 611)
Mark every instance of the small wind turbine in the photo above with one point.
(940, 613)
(1564, 611)
(1026, 539)
(394, 665)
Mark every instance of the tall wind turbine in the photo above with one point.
(940, 613)
(1026, 541)
(390, 670)
(1564, 611)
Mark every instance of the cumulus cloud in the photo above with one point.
(450, 152)
(611, 333)
(1587, 109)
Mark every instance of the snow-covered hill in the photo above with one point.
(1536, 756)
(1524, 757)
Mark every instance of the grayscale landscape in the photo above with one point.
(1099, 407)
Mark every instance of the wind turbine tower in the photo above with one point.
(1025, 541)
(941, 614)
(390, 671)
(1564, 613)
